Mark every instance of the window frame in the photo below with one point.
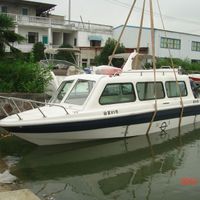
(170, 43)
(121, 83)
(30, 37)
(179, 87)
(22, 11)
(74, 87)
(4, 9)
(164, 94)
(95, 43)
(195, 46)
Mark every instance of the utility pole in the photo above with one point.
(69, 11)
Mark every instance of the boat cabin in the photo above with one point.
(95, 91)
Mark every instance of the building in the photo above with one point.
(181, 45)
(35, 22)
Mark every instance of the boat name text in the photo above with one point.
(111, 112)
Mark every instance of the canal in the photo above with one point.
(161, 166)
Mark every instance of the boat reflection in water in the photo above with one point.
(137, 167)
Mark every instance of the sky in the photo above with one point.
(178, 15)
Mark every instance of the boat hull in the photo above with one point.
(53, 138)
(104, 128)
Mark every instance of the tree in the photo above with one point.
(38, 51)
(107, 50)
(66, 55)
(7, 36)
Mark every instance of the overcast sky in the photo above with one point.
(179, 15)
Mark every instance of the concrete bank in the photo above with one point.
(18, 195)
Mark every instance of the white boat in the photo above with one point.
(60, 68)
(92, 107)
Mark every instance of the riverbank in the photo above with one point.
(18, 195)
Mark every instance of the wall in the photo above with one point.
(83, 40)
(17, 9)
(130, 37)
(186, 45)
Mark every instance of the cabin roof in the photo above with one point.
(92, 77)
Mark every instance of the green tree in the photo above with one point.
(7, 36)
(66, 55)
(107, 50)
(38, 51)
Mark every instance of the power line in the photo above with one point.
(138, 9)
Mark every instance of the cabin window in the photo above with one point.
(173, 90)
(63, 89)
(145, 91)
(117, 93)
(80, 92)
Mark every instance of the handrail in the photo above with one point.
(31, 102)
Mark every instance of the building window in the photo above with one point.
(95, 43)
(75, 42)
(24, 11)
(84, 62)
(117, 93)
(4, 9)
(32, 37)
(195, 61)
(195, 46)
(145, 91)
(92, 62)
(173, 90)
(45, 39)
(170, 43)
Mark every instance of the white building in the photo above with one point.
(34, 22)
(181, 45)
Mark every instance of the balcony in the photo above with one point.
(60, 24)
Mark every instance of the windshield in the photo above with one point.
(80, 92)
(62, 90)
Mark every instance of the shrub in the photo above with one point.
(19, 76)
(38, 51)
(185, 64)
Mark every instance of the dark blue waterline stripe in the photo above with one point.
(106, 123)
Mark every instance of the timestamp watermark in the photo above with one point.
(188, 181)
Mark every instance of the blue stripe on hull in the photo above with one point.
(106, 123)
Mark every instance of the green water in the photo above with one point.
(157, 167)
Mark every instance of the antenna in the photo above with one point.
(69, 11)
(82, 22)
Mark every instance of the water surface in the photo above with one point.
(161, 166)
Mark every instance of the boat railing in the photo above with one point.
(19, 105)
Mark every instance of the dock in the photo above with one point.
(24, 194)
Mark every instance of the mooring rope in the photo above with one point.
(171, 59)
(140, 33)
(154, 64)
(119, 39)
